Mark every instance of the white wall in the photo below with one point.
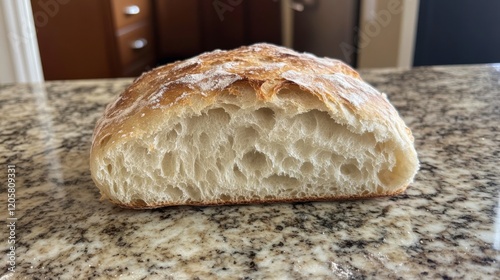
(19, 54)
(6, 64)
(387, 33)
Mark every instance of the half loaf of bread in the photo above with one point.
(256, 124)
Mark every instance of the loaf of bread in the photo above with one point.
(256, 124)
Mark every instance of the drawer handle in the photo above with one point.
(139, 44)
(132, 10)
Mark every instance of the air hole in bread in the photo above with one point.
(350, 170)
(204, 140)
(220, 167)
(114, 188)
(324, 157)
(211, 176)
(394, 174)
(223, 149)
(172, 135)
(182, 170)
(306, 168)
(254, 161)
(290, 163)
(178, 128)
(245, 135)
(240, 177)
(306, 122)
(230, 108)
(192, 192)
(219, 116)
(265, 117)
(327, 129)
(173, 192)
(197, 123)
(282, 181)
(168, 164)
(199, 171)
(105, 140)
(109, 167)
(302, 149)
(143, 152)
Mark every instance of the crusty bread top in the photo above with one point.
(266, 68)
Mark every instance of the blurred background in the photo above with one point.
(86, 39)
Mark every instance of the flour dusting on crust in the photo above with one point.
(353, 90)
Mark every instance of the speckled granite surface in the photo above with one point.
(446, 226)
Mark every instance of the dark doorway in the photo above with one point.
(458, 32)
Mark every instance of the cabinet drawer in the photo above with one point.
(126, 12)
(136, 44)
(138, 67)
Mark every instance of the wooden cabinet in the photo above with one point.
(179, 28)
(134, 33)
(95, 38)
(188, 27)
(127, 12)
(84, 39)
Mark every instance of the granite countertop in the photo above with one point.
(446, 225)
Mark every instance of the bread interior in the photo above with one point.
(240, 149)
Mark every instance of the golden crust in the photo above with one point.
(142, 205)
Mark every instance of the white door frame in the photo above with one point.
(388, 31)
(408, 34)
(22, 48)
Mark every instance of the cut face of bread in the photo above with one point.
(256, 124)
